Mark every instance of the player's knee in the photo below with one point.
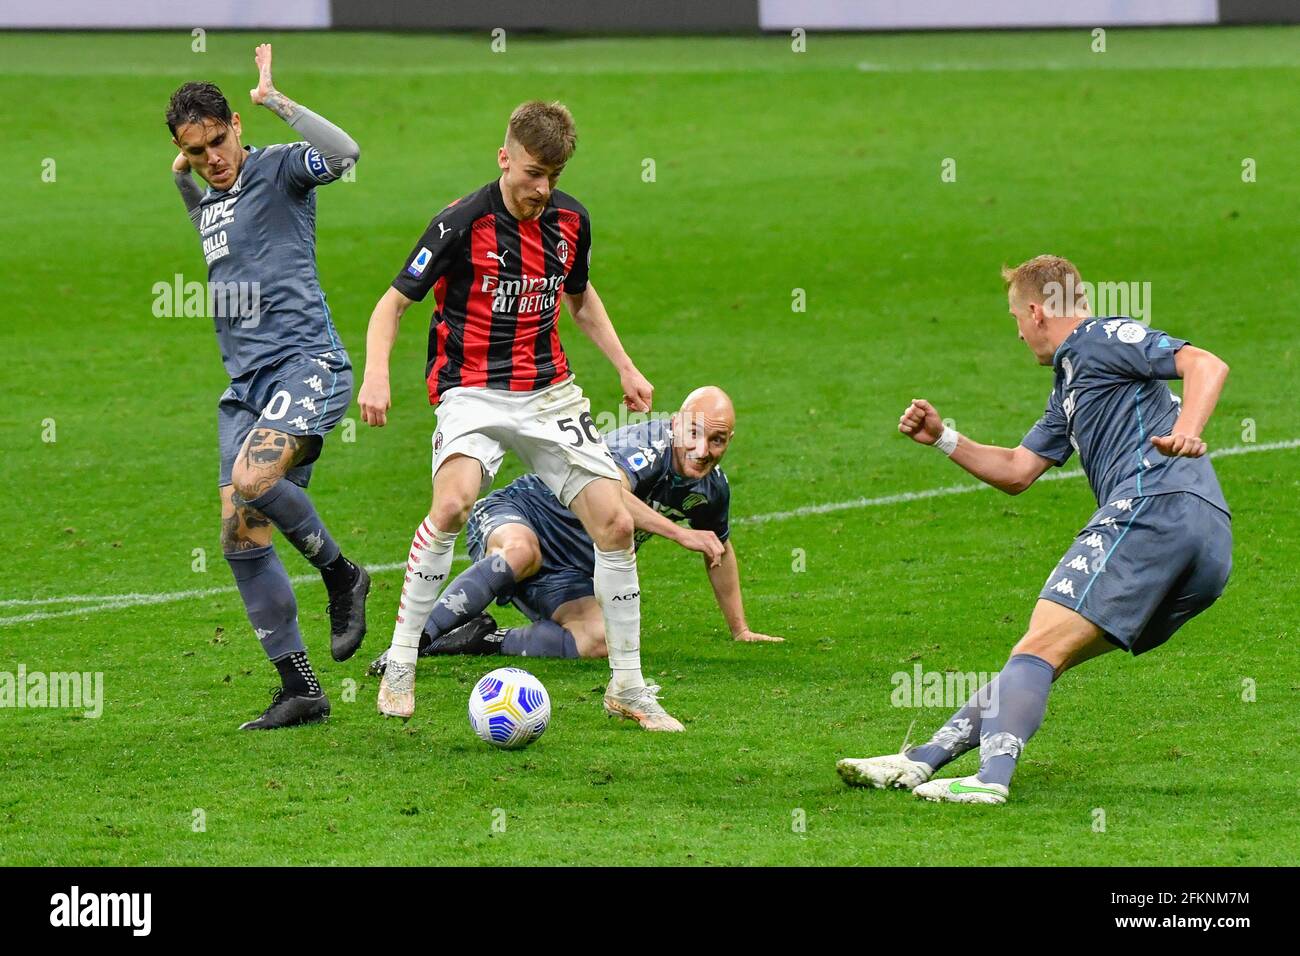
(520, 551)
(1047, 645)
(614, 532)
(450, 511)
(249, 482)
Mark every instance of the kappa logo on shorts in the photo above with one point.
(299, 422)
(1094, 540)
(307, 403)
(316, 384)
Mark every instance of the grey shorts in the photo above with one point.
(563, 576)
(1144, 567)
(301, 395)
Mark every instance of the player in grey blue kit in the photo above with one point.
(531, 551)
(1155, 554)
(290, 377)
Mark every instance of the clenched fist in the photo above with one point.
(921, 422)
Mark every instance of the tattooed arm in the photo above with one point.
(339, 150)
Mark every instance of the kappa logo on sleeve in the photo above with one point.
(315, 163)
(420, 262)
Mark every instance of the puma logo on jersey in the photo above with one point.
(442, 230)
(501, 258)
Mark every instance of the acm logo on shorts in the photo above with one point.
(437, 441)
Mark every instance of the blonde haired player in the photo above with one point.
(1155, 554)
(500, 261)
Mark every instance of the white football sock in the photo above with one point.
(427, 568)
(619, 594)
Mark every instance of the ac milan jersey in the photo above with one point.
(496, 282)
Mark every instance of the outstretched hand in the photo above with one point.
(921, 422)
(754, 637)
(265, 86)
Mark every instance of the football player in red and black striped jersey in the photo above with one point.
(499, 262)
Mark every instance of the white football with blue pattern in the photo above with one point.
(509, 708)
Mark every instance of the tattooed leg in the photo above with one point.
(259, 478)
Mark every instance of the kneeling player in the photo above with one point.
(530, 550)
(1155, 554)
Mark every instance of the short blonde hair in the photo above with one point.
(546, 130)
(1032, 280)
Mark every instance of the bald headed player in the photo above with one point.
(532, 551)
(1155, 554)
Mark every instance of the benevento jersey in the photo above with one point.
(259, 240)
(645, 452)
(1110, 398)
(496, 285)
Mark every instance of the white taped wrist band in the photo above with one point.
(947, 442)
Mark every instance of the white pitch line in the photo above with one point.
(113, 602)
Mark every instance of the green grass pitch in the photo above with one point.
(774, 171)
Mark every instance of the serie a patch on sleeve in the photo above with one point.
(420, 262)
